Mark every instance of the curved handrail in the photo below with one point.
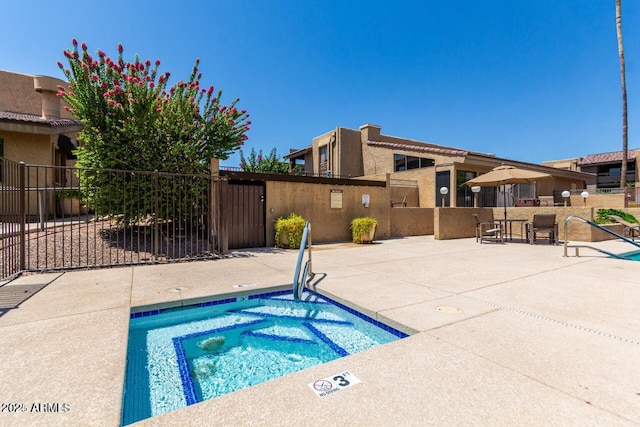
(599, 227)
(300, 282)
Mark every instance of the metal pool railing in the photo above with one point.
(299, 282)
(593, 224)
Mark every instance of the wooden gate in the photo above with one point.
(245, 215)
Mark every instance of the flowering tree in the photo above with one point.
(264, 164)
(133, 120)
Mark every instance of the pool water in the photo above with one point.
(181, 356)
(635, 256)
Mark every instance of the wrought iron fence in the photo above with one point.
(61, 217)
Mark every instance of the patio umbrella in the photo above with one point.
(503, 175)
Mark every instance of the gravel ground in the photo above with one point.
(100, 243)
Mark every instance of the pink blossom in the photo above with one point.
(157, 62)
(101, 54)
(119, 105)
(131, 101)
(84, 46)
(111, 102)
(120, 48)
(74, 42)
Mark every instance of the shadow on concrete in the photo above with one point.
(11, 296)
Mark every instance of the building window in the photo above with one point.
(403, 162)
(323, 154)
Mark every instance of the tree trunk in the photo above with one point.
(623, 172)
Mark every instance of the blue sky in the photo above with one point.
(530, 80)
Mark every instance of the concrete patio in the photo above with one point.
(502, 334)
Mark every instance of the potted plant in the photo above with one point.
(70, 204)
(363, 229)
(289, 230)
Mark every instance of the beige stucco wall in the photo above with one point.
(27, 94)
(455, 223)
(349, 153)
(413, 197)
(29, 148)
(18, 95)
(313, 202)
(599, 200)
(411, 222)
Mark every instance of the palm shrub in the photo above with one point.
(602, 216)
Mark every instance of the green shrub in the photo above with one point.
(361, 227)
(292, 227)
(602, 216)
(68, 194)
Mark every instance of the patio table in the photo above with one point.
(508, 226)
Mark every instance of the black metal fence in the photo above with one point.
(62, 217)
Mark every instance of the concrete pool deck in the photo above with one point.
(511, 334)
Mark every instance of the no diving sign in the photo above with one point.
(334, 383)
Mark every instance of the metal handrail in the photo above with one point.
(599, 227)
(299, 283)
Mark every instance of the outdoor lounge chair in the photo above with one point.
(543, 223)
(489, 231)
(628, 228)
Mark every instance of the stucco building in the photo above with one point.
(35, 129)
(34, 126)
(366, 152)
(606, 166)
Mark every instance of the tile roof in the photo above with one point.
(419, 147)
(612, 157)
(8, 116)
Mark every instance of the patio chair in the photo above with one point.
(489, 231)
(543, 223)
(403, 203)
(628, 228)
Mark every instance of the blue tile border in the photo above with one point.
(335, 347)
(269, 295)
(188, 386)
